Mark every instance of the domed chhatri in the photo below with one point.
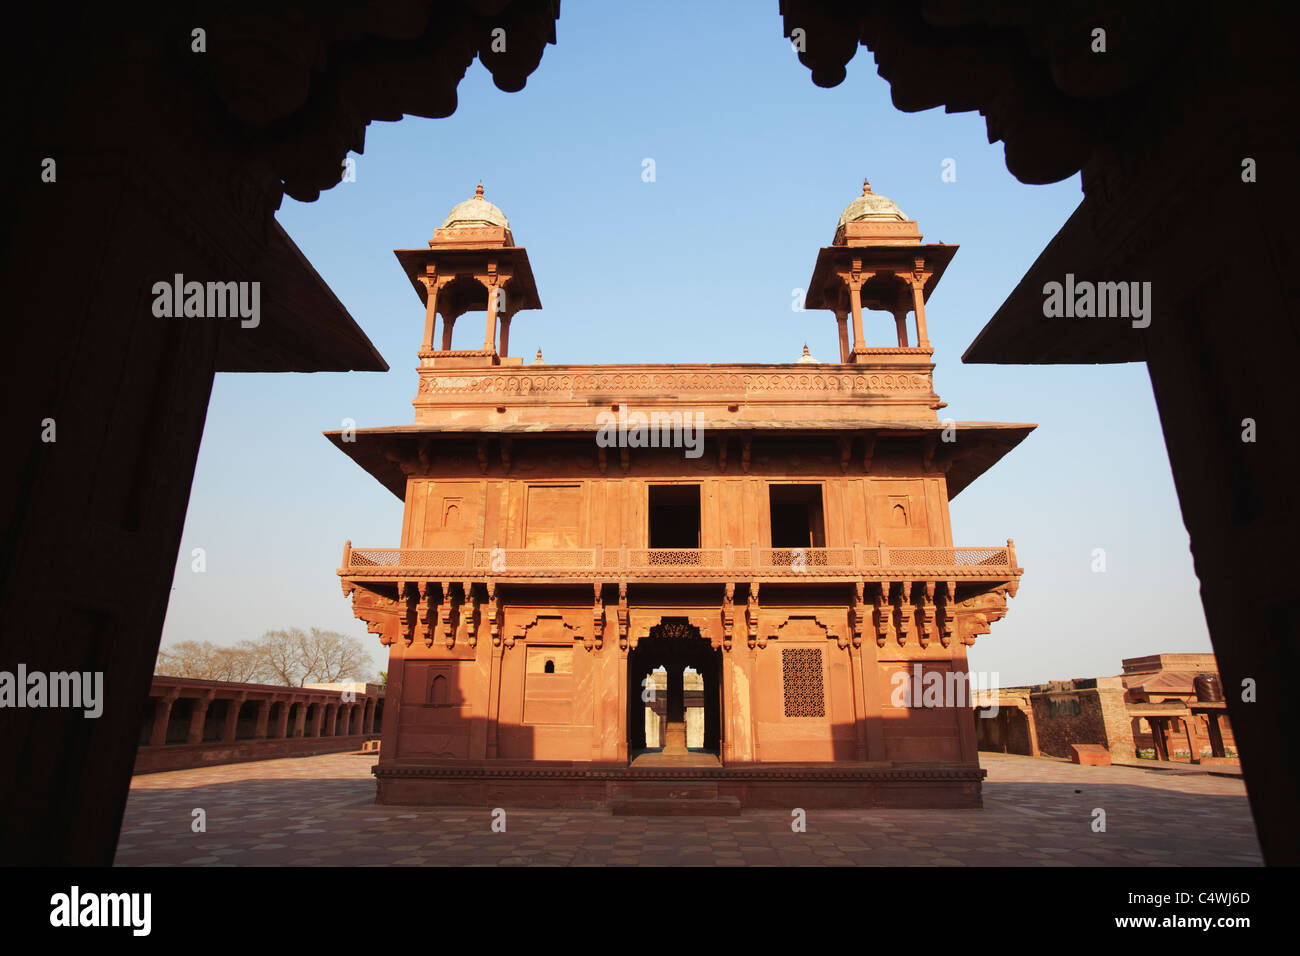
(876, 263)
(871, 220)
(474, 223)
(871, 206)
(472, 264)
(475, 211)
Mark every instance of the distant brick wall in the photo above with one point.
(1083, 715)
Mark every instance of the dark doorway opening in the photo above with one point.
(678, 715)
(674, 516)
(797, 517)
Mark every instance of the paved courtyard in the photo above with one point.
(1037, 812)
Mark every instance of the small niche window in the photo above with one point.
(438, 691)
(549, 668)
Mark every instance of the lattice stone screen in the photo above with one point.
(801, 678)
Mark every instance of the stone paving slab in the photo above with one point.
(1037, 812)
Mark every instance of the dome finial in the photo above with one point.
(478, 190)
(866, 187)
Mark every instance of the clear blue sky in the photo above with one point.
(753, 166)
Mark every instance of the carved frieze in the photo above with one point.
(437, 382)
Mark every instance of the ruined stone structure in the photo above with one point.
(198, 723)
(1177, 708)
(1163, 706)
(782, 530)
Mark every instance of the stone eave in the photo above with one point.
(1019, 333)
(981, 444)
(303, 327)
(521, 281)
(829, 258)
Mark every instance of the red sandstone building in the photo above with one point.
(781, 530)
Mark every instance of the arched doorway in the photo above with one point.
(674, 695)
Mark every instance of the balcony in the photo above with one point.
(572, 565)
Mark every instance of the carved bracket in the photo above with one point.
(428, 612)
(948, 615)
(928, 626)
(470, 615)
(884, 611)
(906, 613)
(857, 614)
(597, 637)
(446, 616)
(751, 616)
(622, 615)
(728, 613)
(494, 613)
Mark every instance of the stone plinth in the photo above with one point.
(675, 737)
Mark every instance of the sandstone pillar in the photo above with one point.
(505, 333)
(162, 715)
(431, 285)
(1216, 735)
(900, 324)
(282, 721)
(918, 306)
(197, 716)
(842, 320)
(263, 717)
(855, 302)
(493, 290)
(229, 727)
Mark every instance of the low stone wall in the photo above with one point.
(187, 756)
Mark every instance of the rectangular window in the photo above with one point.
(796, 513)
(674, 516)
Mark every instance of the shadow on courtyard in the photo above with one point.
(325, 815)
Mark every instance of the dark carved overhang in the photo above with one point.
(1029, 68)
(302, 84)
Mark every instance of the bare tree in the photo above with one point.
(337, 657)
(295, 657)
(291, 657)
(281, 654)
(208, 661)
